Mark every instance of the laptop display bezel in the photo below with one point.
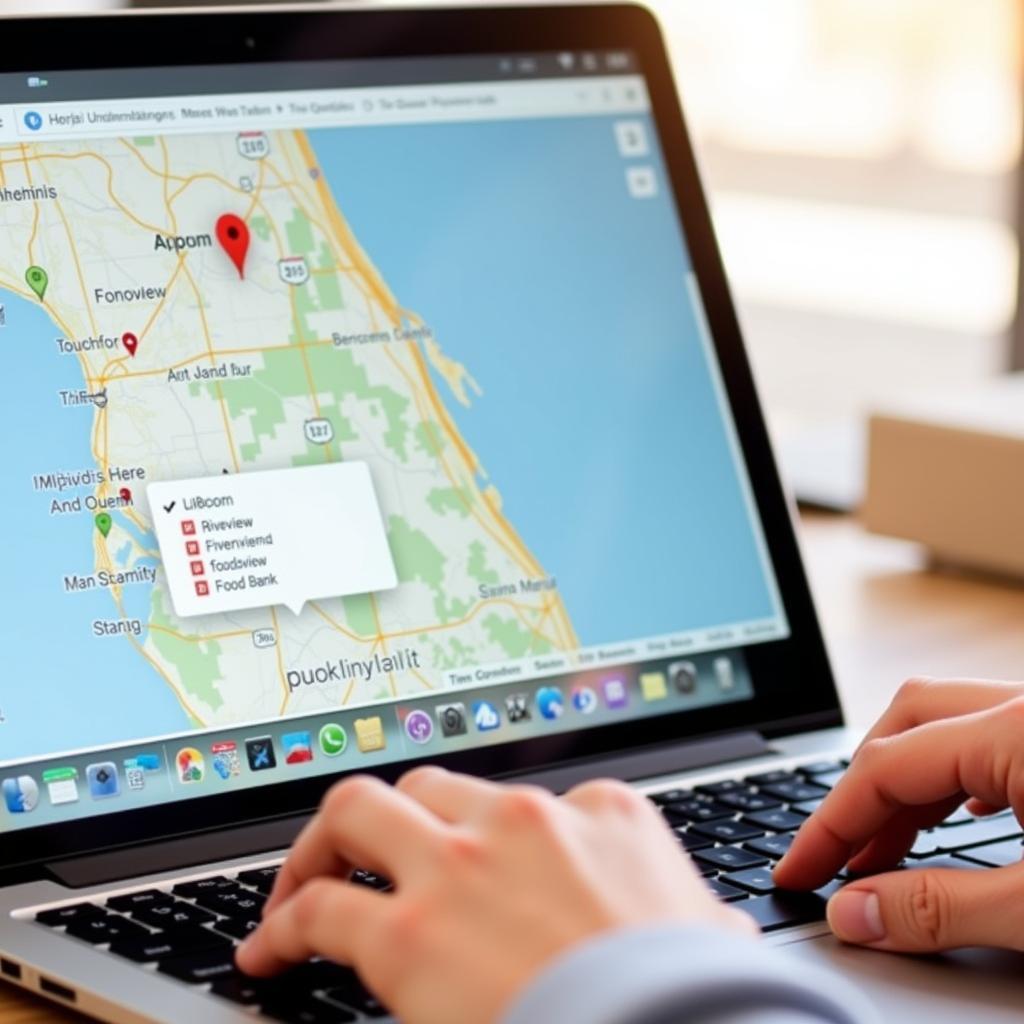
(794, 687)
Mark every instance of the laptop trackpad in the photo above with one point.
(980, 986)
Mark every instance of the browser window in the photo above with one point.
(365, 418)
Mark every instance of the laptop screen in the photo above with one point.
(355, 413)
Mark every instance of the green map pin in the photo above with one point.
(37, 279)
(104, 522)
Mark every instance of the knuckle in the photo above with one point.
(405, 933)
(343, 794)
(873, 750)
(927, 908)
(526, 806)
(309, 904)
(911, 690)
(611, 795)
(416, 779)
(461, 850)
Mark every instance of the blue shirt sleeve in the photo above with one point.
(666, 974)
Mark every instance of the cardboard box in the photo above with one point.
(947, 471)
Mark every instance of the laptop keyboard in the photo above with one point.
(738, 829)
(735, 831)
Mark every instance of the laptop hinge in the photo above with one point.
(643, 764)
(177, 854)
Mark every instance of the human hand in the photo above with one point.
(490, 884)
(938, 744)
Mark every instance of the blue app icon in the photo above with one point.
(21, 794)
(485, 716)
(33, 120)
(550, 702)
(103, 780)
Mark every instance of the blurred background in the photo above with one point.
(863, 161)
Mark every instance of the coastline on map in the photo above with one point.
(115, 695)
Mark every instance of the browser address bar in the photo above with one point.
(329, 108)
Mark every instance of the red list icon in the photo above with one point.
(191, 547)
(197, 568)
(202, 588)
(188, 527)
(233, 235)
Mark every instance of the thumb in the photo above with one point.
(922, 910)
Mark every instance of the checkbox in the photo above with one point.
(188, 527)
(191, 547)
(202, 588)
(198, 569)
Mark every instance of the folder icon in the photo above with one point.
(653, 685)
(369, 734)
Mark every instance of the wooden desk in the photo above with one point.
(887, 616)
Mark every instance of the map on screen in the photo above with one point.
(492, 319)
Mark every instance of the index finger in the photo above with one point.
(928, 700)
(974, 754)
(363, 823)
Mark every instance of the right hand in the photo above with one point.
(938, 744)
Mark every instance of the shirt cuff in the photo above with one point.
(669, 973)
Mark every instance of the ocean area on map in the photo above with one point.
(62, 688)
(520, 246)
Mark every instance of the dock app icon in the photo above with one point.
(260, 753)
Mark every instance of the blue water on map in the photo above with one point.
(521, 247)
(60, 687)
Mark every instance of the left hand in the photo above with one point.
(491, 883)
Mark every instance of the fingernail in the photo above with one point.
(856, 916)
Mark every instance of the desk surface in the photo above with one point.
(887, 616)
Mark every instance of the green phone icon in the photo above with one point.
(333, 739)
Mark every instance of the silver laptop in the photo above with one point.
(374, 397)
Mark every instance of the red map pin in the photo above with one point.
(130, 342)
(126, 494)
(233, 235)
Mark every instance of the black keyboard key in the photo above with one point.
(200, 968)
(775, 847)
(240, 989)
(162, 947)
(999, 855)
(217, 883)
(241, 903)
(828, 779)
(776, 820)
(716, 789)
(137, 900)
(725, 892)
(306, 1010)
(106, 929)
(783, 909)
(770, 778)
(176, 914)
(357, 997)
(370, 880)
(755, 880)
(806, 807)
(237, 927)
(821, 767)
(261, 879)
(691, 841)
(796, 792)
(696, 810)
(729, 858)
(727, 831)
(983, 830)
(747, 801)
(72, 912)
(670, 796)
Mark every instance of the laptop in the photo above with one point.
(375, 398)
